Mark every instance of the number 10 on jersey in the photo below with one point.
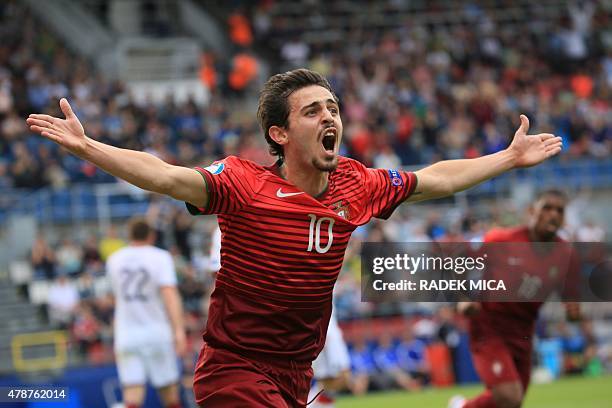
(314, 233)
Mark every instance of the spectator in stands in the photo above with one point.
(192, 291)
(103, 309)
(425, 328)
(412, 358)
(390, 374)
(363, 366)
(574, 345)
(239, 28)
(244, 70)
(295, 52)
(433, 226)
(25, 170)
(595, 350)
(43, 259)
(87, 289)
(62, 301)
(207, 72)
(453, 234)
(85, 329)
(91, 260)
(182, 225)
(54, 175)
(69, 257)
(430, 92)
(110, 243)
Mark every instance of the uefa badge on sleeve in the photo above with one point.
(215, 168)
(396, 178)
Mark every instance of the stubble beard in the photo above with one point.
(325, 165)
(546, 234)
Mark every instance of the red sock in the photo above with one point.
(484, 400)
(326, 398)
(132, 406)
(174, 405)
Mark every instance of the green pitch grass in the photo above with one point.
(565, 393)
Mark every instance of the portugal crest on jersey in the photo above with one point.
(215, 168)
(341, 209)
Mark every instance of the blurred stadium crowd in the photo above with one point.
(412, 94)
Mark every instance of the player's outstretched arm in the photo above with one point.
(451, 176)
(138, 168)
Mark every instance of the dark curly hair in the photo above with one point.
(273, 109)
(555, 192)
(139, 229)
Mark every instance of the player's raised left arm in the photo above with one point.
(451, 176)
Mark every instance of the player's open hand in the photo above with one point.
(68, 133)
(530, 150)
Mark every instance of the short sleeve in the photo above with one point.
(388, 189)
(167, 273)
(229, 186)
(493, 235)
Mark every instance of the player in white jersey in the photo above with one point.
(331, 368)
(149, 330)
(215, 250)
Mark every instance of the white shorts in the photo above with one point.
(334, 357)
(156, 362)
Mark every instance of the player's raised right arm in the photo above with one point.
(138, 168)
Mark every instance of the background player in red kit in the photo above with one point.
(284, 229)
(501, 333)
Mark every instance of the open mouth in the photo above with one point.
(329, 140)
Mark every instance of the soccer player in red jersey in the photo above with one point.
(501, 333)
(284, 229)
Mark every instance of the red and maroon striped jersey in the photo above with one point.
(517, 319)
(282, 250)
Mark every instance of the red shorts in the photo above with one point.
(499, 360)
(226, 379)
